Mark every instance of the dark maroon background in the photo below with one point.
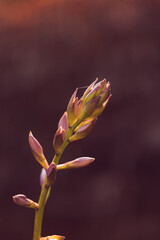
(47, 49)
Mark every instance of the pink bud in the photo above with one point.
(37, 150)
(104, 94)
(83, 131)
(51, 174)
(77, 163)
(23, 201)
(63, 122)
(42, 176)
(88, 108)
(103, 84)
(90, 88)
(71, 109)
(58, 140)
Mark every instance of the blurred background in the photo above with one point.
(47, 49)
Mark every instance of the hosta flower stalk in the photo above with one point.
(75, 124)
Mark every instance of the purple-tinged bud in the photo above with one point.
(42, 176)
(23, 201)
(104, 94)
(100, 109)
(90, 88)
(103, 84)
(58, 140)
(83, 131)
(37, 150)
(51, 174)
(82, 124)
(71, 109)
(63, 122)
(88, 108)
(77, 163)
(92, 94)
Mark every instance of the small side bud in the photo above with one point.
(83, 131)
(42, 176)
(77, 163)
(51, 174)
(58, 140)
(37, 150)
(23, 201)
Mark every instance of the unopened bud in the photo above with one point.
(88, 108)
(100, 109)
(42, 176)
(83, 131)
(23, 201)
(71, 108)
(104, 94)
(53, 237)
(58, 140)
(77, 163)
(37, 151)
(51, 174)
(93, 93)
(90, 88)
(63, 122)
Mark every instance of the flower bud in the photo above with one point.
(88, 108)
(53, 237)
(63, 122)
(92, 94)
(72, 108)
(37, 150)
(100, 109)
(51, 174)
(42, 176)
(23, 201)
(90, 88)
(58, 140)
(77, 163)
(104, 94)
(83, 131)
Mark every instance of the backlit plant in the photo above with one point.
(78, 120)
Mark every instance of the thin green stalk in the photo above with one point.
(45, 192)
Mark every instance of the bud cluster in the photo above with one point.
(81, 114)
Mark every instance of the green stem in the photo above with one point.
(45, 191)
